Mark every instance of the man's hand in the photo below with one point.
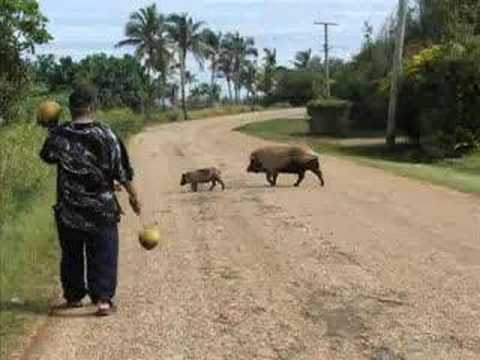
(117, 186)
(135, 204)
(133, 198)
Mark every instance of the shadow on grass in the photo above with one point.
(44, 309)
(403, 153)
(27, 307)
(374, 148)
(67, 315)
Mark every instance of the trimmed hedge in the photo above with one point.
(330, 117)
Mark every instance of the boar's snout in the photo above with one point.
(254, 166)
(183, 181)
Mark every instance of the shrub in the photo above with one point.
(369, 103)
(122, 121)
(21, 174)
(296, 87)
(330, 116)
(440, 99)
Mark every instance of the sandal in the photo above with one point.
(105, 309)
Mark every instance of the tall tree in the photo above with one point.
(187, 37)
(240, 49)
(249, 80)
(147, 32)
(270, 67)
(225, 66)
(303, 59)
(214, 43)
(22, 27)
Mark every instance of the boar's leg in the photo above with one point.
(221, 182)
(314, 166)
(301, 176)
(194, 187)
(214, 183)
(318, 172)
(272, 178)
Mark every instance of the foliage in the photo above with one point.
(303, 59)
(204, 94)
(267, 80)
(330, 116)
(213, 42)
(336, 104)
(146, 30)
(22, 27)
(187, 37)
(439, 20)
(442, 89)
(237, 50)
(121, 82)
(296, 86)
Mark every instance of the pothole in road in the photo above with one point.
(349, 318)
(342, 319)
(385, 353)
(330, 254)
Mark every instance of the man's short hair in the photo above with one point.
(83, 96)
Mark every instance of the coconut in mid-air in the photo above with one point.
(149, 237)
(49, 113)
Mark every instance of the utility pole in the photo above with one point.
(326, 49)
(397, 73)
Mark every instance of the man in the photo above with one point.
(90, 159)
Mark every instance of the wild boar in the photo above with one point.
(274, 160)
(201, 176)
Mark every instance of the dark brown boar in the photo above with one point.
(274, 160)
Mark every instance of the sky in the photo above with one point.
(89, 26)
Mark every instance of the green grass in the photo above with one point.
(459, 174)
(28, 261)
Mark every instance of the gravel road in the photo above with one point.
(372, 266)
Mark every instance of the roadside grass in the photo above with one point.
(459, 174)
(29, 251)
(28, 262)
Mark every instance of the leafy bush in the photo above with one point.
(330, 116)
(369, 103)
(297, 87)
(21, 175)
(123, 121)
(440, 100)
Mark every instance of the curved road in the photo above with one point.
(372, 266)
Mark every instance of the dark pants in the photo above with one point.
(99, 252)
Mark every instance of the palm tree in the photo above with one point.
(225, 66)
(249, 80)
(240, 49)
(187, 37)
(214, 43)
(190, 79)
(147, 32)
(303, 59)
(270, 69)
